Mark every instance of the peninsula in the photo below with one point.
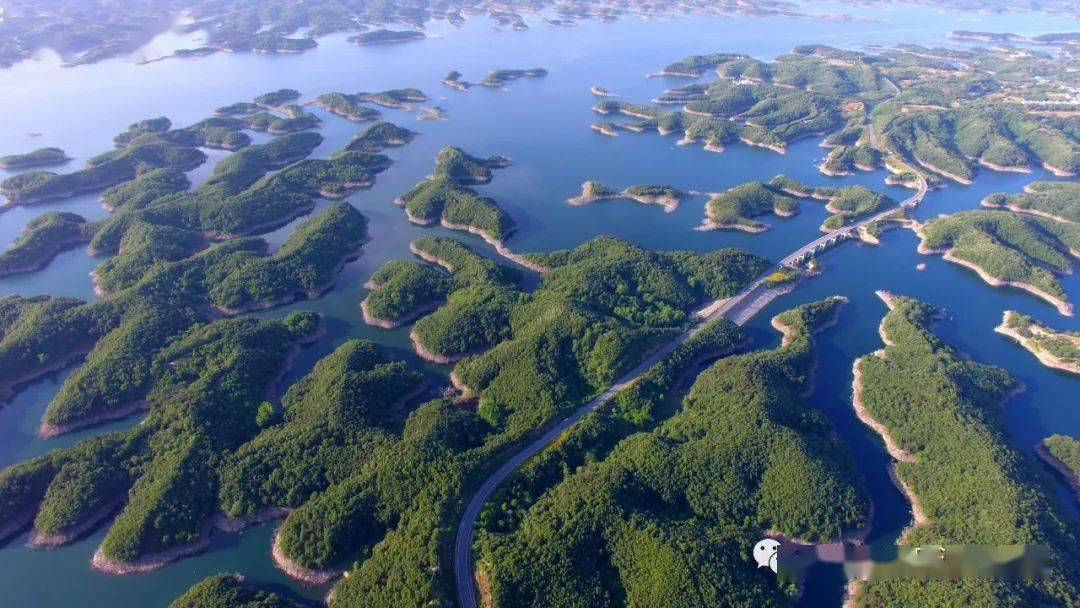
(1056, 349)
(37, 158)
(1062, 454)
(43, 238)
(386, 37)
(1007, 249)
(942, 416)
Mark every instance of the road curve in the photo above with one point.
(463, 571)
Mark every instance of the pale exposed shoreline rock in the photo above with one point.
(1060, 467)
(1044, 357)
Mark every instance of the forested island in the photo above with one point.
(454, 81)
(44, 237)
(37, 158)
(945, 111)
(738, 207)
(386, 37)
(941, 417)
(1055, 200)
(445, 196)
(1056, 349)
(474, 318)
(101, 172)
(346, 106)
(380, 136)
(647, 194)
(498, 78)
(1007, 249)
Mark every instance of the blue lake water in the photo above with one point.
(543, 126)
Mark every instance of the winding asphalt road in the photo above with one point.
(740, 308)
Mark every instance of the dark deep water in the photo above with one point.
(543, 126)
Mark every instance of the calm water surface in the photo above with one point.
(542, 125)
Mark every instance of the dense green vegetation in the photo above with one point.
(239, 108)
(365, 486)
(145, 189)
(206, 387)
(393, 98)
(640, 407)
(142, 127)
(498, 78)
(238, 197)
(294, 119)
(1057, 199)
(343, 173)
(347, 106)
(737, 207)
(1066, 449)
(445, 195)
(142, 246)
(695, 64)
(278, 98)
(945, 140)
(972, 484)
(1007, 246)
(665, 515)
(465, 266)
(102, 171)
(1061, 349)
(44, 236)
(386, 36)
(41, 156)
(402, 289)
(232, 277)
(853, 202)
(306, 264)
(653, 191)
(600, 305)
(711, 131)
(477, 312)
(216, 132)
(394, 523)
(229, 591)
(380, 136)
(944, 109)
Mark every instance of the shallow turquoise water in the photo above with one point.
(542, 124)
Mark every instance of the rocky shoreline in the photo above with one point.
(894, 450)
(8, 389)
(1063, 307)
(420, 310)
(669, 203)
(51, 540)
(1060, 467)
(1044, 357)
(50, 431)
(308, 575)
(1050, 216)
(46, 257)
